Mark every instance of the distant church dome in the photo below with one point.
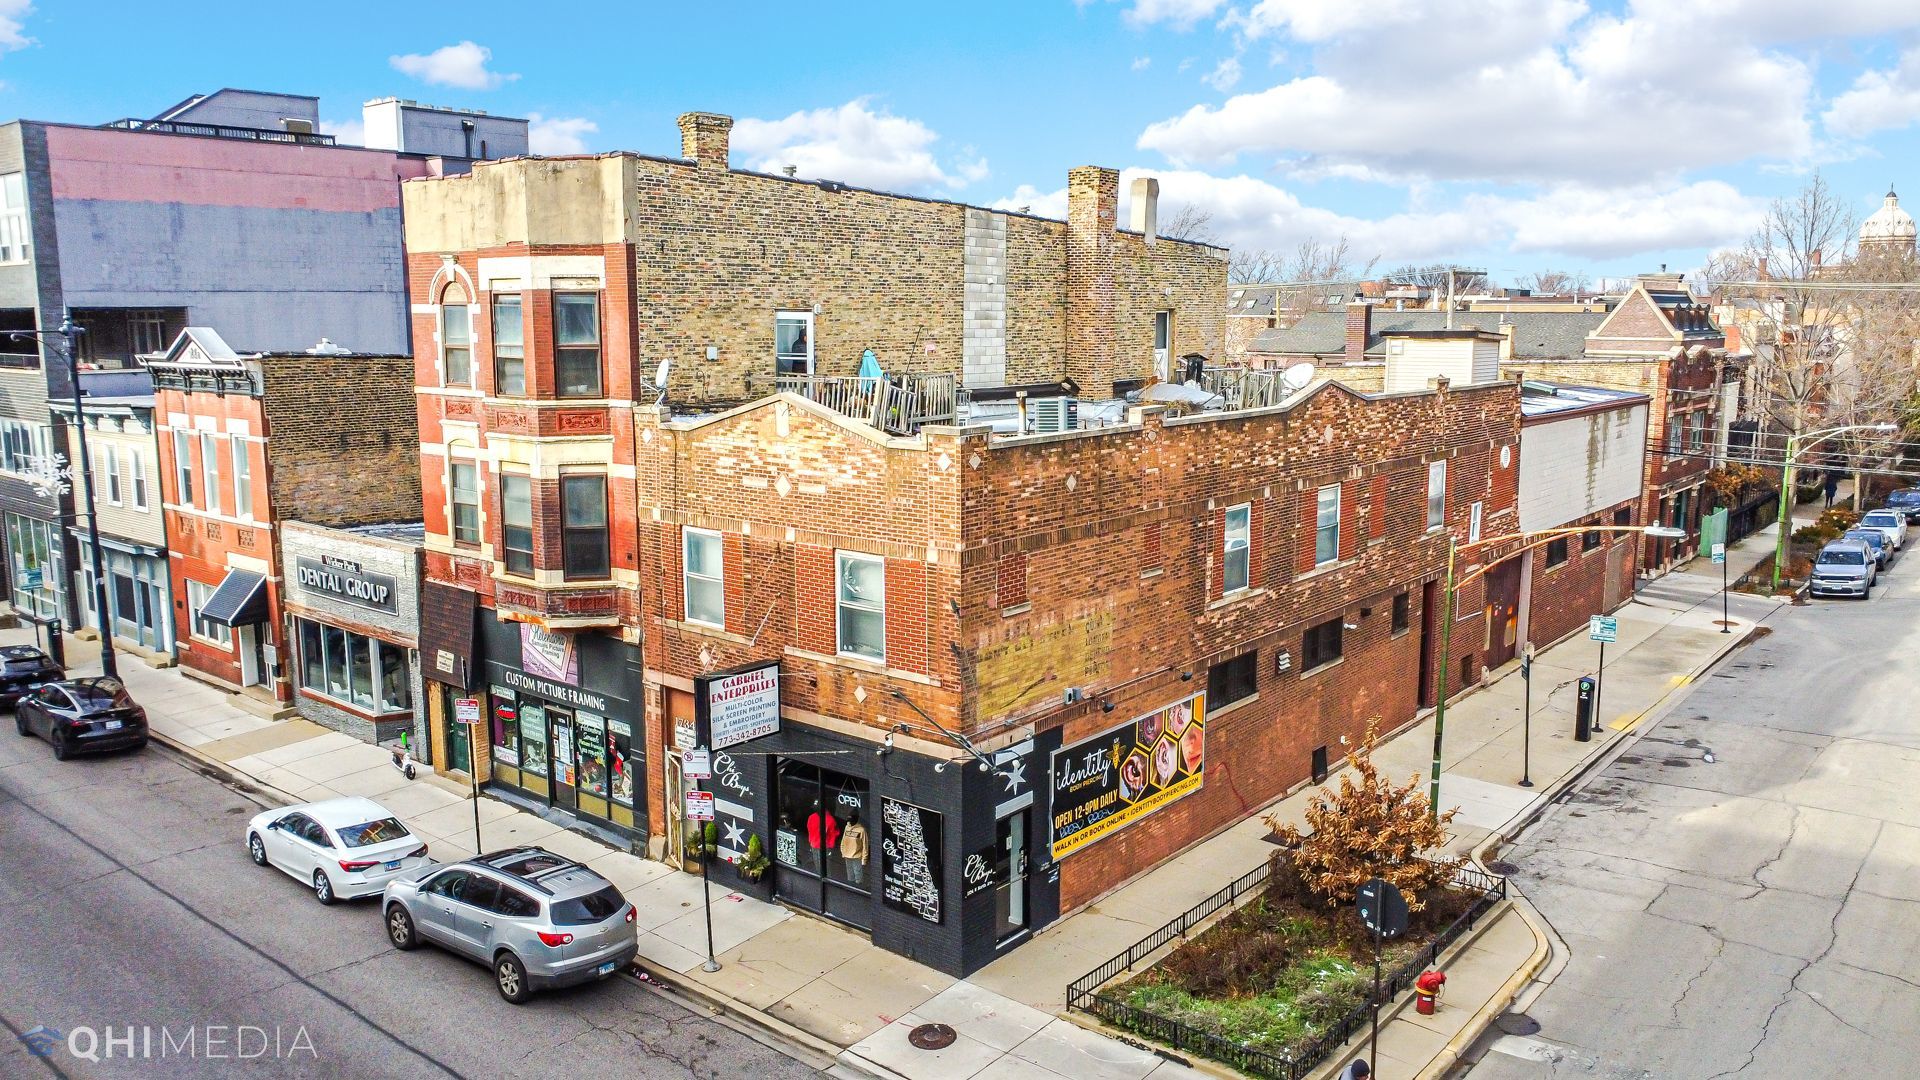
(1889, 226)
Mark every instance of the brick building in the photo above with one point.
(247, 441)
(1045, 663)
(550, 294)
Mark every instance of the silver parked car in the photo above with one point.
(537, 919)
(1843, 568)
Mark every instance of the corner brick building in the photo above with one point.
(246, 441)
(550, 294)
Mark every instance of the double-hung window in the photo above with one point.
(210, 468)
(703, 574)
(1236, 549)
(203, 627)
(464, 481)
(456, 338)
(110, 472)
(861, 597)
(516, 523)
(1326, 525)
(576, 343)
(793, 342)
(1436, 494)
(242, 479)
(183, 465)
(583, 526)
(16, 242)
(509, 347)
(137, 476)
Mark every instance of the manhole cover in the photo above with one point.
(1503, 868)
(931, 1036)
(1517, 1024)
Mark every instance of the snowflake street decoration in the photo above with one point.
(49, 475)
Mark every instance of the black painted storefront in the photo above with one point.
(573, 742)
(946, 895)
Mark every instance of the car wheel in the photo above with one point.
(20, 723)
(61, 751)
(400, 928)
(256, 850)
(510, 975)
(322, 887)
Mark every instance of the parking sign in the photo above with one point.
(1603, 628)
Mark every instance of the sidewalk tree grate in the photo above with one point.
(931, 1037)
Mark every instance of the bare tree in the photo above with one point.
(1435, 275)
(1190, 222)
(1557, 282)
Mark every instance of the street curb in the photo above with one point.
(1544, 937)
(245, 784)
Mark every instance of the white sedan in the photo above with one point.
(1891, 523)
(342, 848)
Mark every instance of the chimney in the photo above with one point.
(1093, 203)
(703, 139)
(1761, 271)
(1359, 329)
(1144, 212)
(1816, 258)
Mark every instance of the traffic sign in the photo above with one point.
(30, 579)
(1719, 553)
(1603, 628)
(1382, 908)
(466, 710)
(700, 806)
(696, 763)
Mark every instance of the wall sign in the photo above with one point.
(910, 865)
(1103, 784)
(740, 704)
(547, 655)
(348, 581)
(977, 873)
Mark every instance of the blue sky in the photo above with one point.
(1604, 136)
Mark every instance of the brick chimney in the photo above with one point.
(1093, 204)
(1143, 211)
(1359, 329)
(1816, 258)
(1761, 271)
(703, 139)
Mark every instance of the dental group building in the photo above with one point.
(352, 603)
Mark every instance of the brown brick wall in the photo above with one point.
(345, 445)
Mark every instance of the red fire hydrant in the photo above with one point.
(1426, 992)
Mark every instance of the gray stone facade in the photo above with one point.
(363, 581)
(984, 349)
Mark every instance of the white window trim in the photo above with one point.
(110, 470)
(183, 440)
(137, 477)
(687, 577)
(1436, 470)
(840, 561)
(803, 316)
(440, 340)
(1244, 551)
(1473, 522)
(193, 616)
(472, 461)
(210, 469)
(242, 468)
(1319, 511)
(14, 224)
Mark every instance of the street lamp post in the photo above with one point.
(68, 333)
(1795, 444)
(1533, 539)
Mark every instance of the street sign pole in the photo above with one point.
(1726, 621)
(1373, 1044)
(1526, 718)
(1599, 683)
(467, 711)
(703, 747)
(1383, 910)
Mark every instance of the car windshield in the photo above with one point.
(384, 831)
(591, 908)
(99, 693)
(1842, 557)
(1879, 517)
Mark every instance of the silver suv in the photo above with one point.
(539, 920)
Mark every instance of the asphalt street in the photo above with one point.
(1740, 889)
(127, 902)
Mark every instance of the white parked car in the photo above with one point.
(1891, 523)
(342, 848)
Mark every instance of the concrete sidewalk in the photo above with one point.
(833, 990)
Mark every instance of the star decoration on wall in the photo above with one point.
(736, 836)
(1015, 774)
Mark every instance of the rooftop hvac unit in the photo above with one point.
(1054, 415)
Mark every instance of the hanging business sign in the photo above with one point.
(740, 704)
(348, 581)
(1103, 784)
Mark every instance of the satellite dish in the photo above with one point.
(660, 380)
(1297, 377)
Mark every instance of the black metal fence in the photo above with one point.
(1084, 993)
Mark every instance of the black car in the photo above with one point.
(23, 667)
(1907, 501)
(82, 715)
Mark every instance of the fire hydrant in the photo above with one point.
(1426, 992)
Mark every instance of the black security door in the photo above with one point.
(823, 842)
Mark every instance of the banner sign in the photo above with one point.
(1105, 783)
(740, 704)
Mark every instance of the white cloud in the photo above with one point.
(1141, 63)
(1570, 221)
(558, 134)
(345, 132)
(856, 143)
(13, 24)
(1878, 100)
(1225, 74)
(463, 66)
(1180, 14)
(1543, 90)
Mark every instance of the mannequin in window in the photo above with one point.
(853, 848)
(822, 830)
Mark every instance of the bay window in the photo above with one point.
(516, 523)
(576, 344)
(353, 669)
(583, 526)
(509, 347)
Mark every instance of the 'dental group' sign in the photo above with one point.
(344, 579)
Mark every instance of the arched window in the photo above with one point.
(456, 336)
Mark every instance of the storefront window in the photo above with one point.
(533, 738)
(341, 665)
(620, 736)
(823, 841)
(359, 652)
(506, 727)
(35, 546)
(313, 664)
(395, 694)
(590, 749)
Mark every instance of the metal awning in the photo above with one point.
(241, 600)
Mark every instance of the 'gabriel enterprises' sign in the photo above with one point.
(1103, 784)
(740, 704)
(344, 579)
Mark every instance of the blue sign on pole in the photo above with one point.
(1603, 628)
(30, 579)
